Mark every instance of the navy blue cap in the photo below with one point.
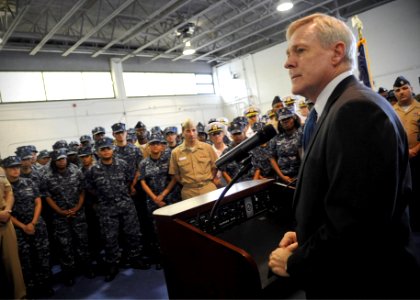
(33, 148)
(284, 113)
(85, 151)
(241, 119)
(156, 138)
(11, 161)
(59, 154)
(400, 81)
(24, 152)
(236, 127)
(140, 124)
(44, 154)
(85, 138)
(156, 129)
(118, 127)
(98, 130)
(257, 126)
(201, 128)
(212, 120)
(73, 149)
(60, 144)
(104, 143)
(382, 90)
(170, 129)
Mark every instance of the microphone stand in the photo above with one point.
(246, 166)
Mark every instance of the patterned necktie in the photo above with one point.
(309, 128)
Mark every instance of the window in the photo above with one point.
(46, 86)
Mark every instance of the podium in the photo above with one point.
(225, 257)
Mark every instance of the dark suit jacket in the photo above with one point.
(351, 201)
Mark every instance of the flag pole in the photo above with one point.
(356, 22)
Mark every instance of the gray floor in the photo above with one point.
(129, 284)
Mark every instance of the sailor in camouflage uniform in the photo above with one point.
(28, 170)
(31, 231)
(110, 180)
(232, 168)
(126, 151)
(65, 195)
(261, 157)
(286, 146)
(158, 185)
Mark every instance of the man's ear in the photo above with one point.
(339, 52)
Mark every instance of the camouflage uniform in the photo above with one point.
(70, 232)
(34, 249)
(261, 160)
(286, 149)
(35, 175)
(232, 168)
(155, 173)
(115, 208)
(130, 154)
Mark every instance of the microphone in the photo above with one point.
(241, 151)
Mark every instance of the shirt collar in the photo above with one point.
(322, 99)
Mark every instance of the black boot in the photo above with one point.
(139, 263)
(112, 272)
(68, 277)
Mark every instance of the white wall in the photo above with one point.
(41, 124)
(391, 31)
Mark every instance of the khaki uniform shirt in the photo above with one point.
(4, 187)
(409, 119)
(193, 167)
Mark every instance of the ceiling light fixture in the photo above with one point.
(285, 5)
(188, 49)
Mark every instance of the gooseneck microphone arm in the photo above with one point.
(246, 165)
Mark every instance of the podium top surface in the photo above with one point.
(240, 189)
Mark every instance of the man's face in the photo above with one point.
(141, 133)
(121, 136)
(27, 162)
(310, 65)
(98, 136)
(277, 106)
(43, 161)
(404, 94)
(61, 163)
(252, 119)
(86, 160)
(170, 138)
(217, 137)
(238, 137)
(156, 147)
(287, 123)
(13, 172)
(105, 153)
(190, 135)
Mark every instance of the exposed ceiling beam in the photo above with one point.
(270, 36)
(145, 23)
(196, 37)
(99, 26)
(14, 24)
(263, 29)
(57, 26)
(173, 29)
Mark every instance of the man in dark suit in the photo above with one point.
(352, 234)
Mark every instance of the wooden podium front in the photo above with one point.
(226, 258)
